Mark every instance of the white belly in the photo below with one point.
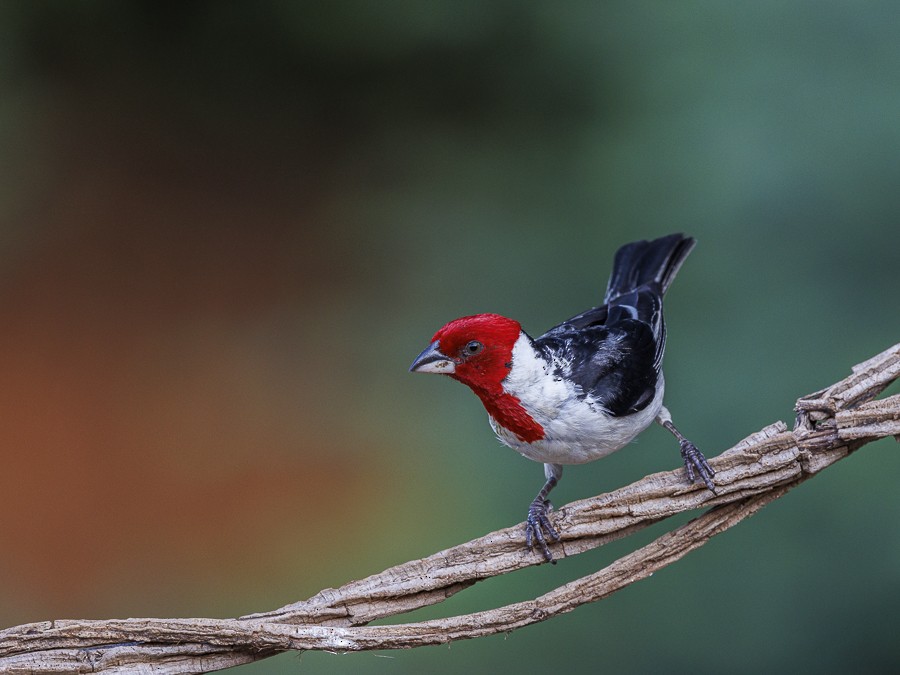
(580, 433)
(575, 430)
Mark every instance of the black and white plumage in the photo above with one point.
(583, 389)
(616, 349)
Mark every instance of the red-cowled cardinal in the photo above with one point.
(583, 389)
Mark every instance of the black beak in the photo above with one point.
(432, 360)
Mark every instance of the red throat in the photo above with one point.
(509, 413)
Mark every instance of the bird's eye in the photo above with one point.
(472, 348)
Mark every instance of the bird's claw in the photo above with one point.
(535, 526)
(696, 465)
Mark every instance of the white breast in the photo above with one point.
(576, 429)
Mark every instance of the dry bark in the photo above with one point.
(830, 424)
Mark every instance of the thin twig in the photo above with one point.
(761, 468)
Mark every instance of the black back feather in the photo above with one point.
(614, 352)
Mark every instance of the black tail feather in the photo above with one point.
(646, 262)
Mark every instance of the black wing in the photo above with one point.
(612, 359)
(614, 352)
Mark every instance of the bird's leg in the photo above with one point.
(537, 521)
(694, 462)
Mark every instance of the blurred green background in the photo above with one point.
(227, 229)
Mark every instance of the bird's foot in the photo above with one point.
(696, 465)
(537, 524)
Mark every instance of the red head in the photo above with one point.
(476, 350)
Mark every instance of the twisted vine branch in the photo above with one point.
(830, 425)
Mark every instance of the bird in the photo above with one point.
(585, 388)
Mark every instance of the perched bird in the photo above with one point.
(583, 389)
